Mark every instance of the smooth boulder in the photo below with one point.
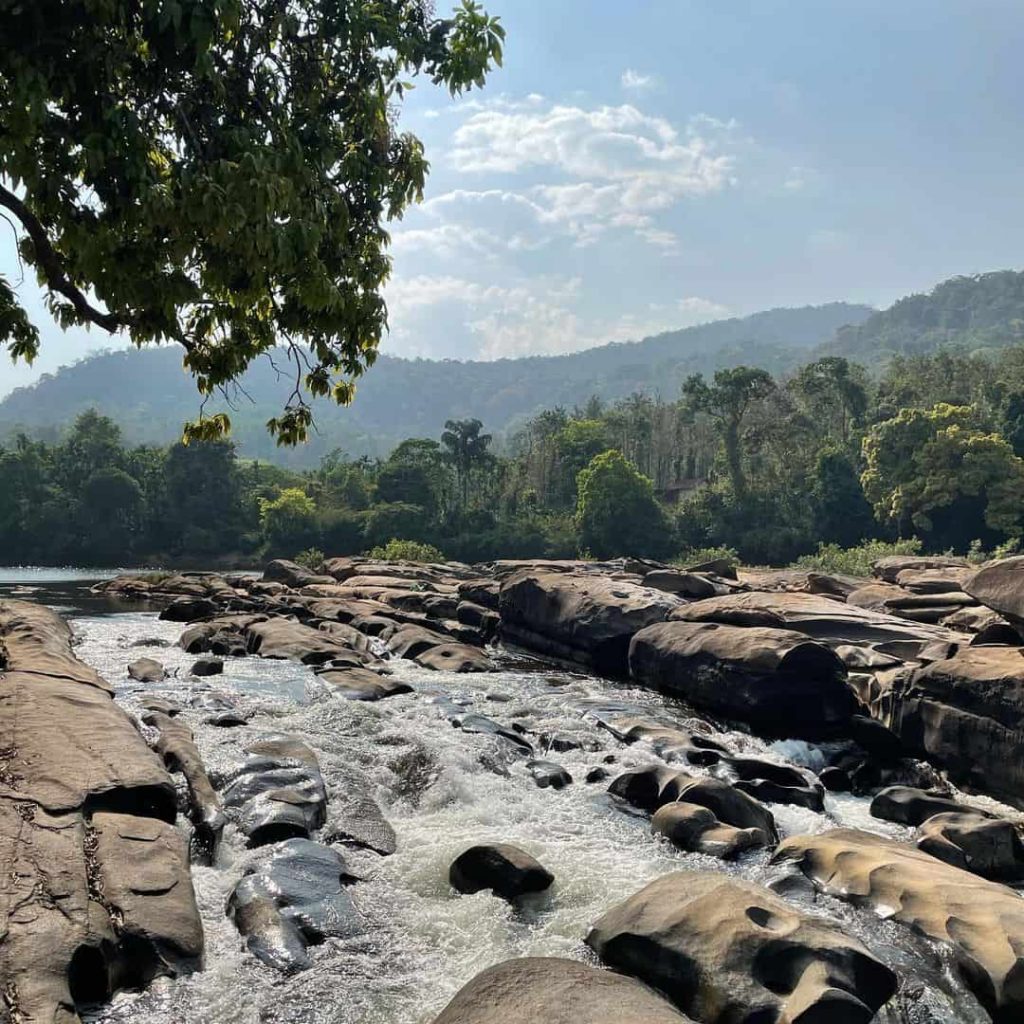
(990, 847)
(504, 869)
(776, 680)
(695, 829)
(555, 991)
(982, 922)
(727, 951)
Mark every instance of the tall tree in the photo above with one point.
(467, 450)
(728, 400)
(217, 173)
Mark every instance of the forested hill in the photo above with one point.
(976, 312)
(149, 396)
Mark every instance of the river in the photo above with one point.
(443, 790)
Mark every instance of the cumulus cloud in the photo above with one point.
(634, 80)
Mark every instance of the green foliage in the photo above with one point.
(698, 556)
(939, 470)
(218, 173)
(616, 512)
(856, 561)
(289, 520)
(406, 551)
(311, 558)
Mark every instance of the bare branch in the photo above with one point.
(49, 262)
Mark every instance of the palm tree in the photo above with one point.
(466, 448)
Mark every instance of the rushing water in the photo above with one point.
(444, 790)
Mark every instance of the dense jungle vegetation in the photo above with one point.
(768, 467)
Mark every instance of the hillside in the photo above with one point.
(148, 394)
(980, 311)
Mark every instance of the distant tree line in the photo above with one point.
(771, 468)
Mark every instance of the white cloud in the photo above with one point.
(634, 80)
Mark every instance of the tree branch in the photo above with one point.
(48, 261)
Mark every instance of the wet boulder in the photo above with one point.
(484, 726)
(980, 922)
(362, 684)
(669, 742)
(504, 869)
(548, 775)
(555, 991)
(175, 744)
(207, 667)
(695, 829)
(296, 898)
(655, 786)
(277, 792)
(355, 819)
(454, 657)
(146, 670)
(910, 806)
(990, 847)
(777, 783)
(724, 950)
(579, 617)
(776, 680)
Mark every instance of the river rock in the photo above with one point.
(207, 667)
(409, 641)
(188, 609)
(449, 657)
(504, 869)
(278, 792)
(291, 574)
(476, 615)
(482, 725)
(890, 567)
(821, 618)
(70, 754)
(146, 670)
(362, 684)
(553, 991)
(295, 899)
(579, 617)
(142, 871)
(548, 775)
(177, 747)
(670, 743)
(966, 715)
(776, 680)
(910, 806)
(696, 829)
(990, 847)
(982, 922)
(690, 585)
(777, 783)
(655, 786)
(293, 641)
(724, 951)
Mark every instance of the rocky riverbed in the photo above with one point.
(586, 792)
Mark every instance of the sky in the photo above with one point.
(644, 166)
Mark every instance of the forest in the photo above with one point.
(768, 469)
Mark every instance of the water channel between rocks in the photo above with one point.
(444, 790)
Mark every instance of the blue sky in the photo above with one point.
(644, 166)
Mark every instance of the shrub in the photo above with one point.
(697, 556)
(406, 551)
(311, 558)
(856, 561)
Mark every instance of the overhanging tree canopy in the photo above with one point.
(217, 173)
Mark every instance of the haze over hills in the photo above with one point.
(147, 393)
